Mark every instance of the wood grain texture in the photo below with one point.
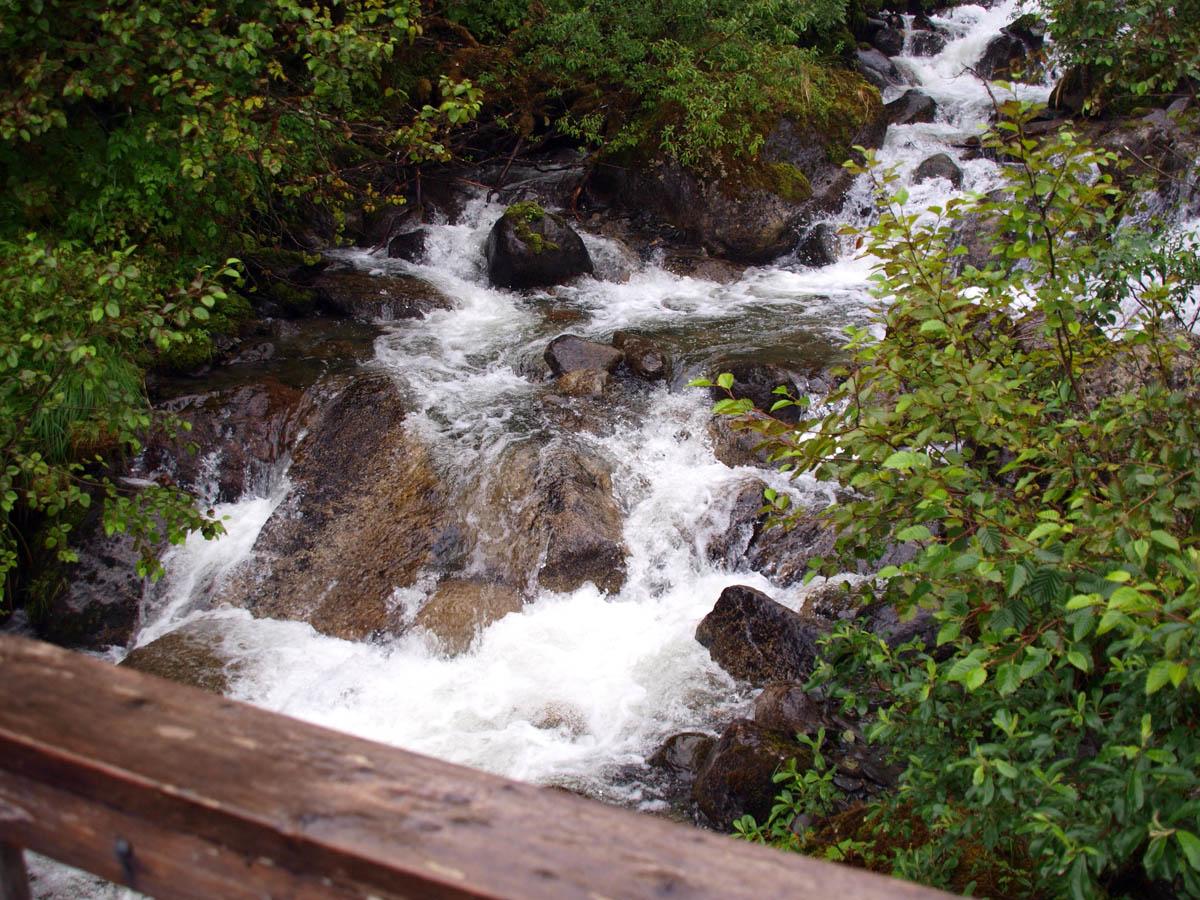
(181, 794)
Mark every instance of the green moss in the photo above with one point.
(524, 216)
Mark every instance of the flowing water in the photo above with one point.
(576, 689)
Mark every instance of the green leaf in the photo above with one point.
(725, 380)
(914, 533)
(1167, 540)
(906, 459)
(1190, 844)
(1079, 660)
(1157, 676)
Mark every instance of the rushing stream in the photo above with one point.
(576, 689)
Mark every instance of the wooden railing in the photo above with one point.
(179, 793)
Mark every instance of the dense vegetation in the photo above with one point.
(1035, 429)
(1128, 53)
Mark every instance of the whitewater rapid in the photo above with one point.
(576, 689)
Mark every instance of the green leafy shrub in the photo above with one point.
(1141, 49)
(75, 324)
(1034, 427)
(700, 82)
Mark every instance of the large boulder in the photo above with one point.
(367, 513)
(787, 707)
(529, 247)
(371, 298)
(755, 213)
(876, 68)
(818, 246)
(194, 655)
(940, 165)
(752, 637)
(460, 609)
(568, 353)
(888, 40)
(548, 519)
(736, 778)
(927, 42)
(909, 108)
(409, 246)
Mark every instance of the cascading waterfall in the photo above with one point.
(576, 689)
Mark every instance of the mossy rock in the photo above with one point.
(529, 247)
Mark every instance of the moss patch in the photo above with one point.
(524, 216)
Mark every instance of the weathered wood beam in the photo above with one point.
(182, 794)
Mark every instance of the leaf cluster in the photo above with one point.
(1033, 427)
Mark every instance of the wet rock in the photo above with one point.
(754, 215)
(409, 246)
(888, 41)
(461, 608)
(550, 520)
(582, 383)
(685, 752)
(1029, 29)
(193, 655)
(910, 108)
(877, 68)
(818, 247)
(735, 445)
(703, 267)
(927, 43)
(752, 637)
(644, 357)
(1002, 54)
(787, 707)
(97, 606)
(940, 165)
(736, 777)
(241, 433)
(529, 247)
(568, 353)
(367, 512)
(371, 298)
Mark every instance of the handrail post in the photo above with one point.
(14, 880)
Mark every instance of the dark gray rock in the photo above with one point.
(927, 43)
(752, 637)
(97, 606)
(818, 247)
(736, 778)
(876, 68)
(940, 165)
(911, 108)
(1002, 54)
(529, 247)
(568, 353)
(409, 246)
(685, 752)
(644, 357)
(889, 41)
